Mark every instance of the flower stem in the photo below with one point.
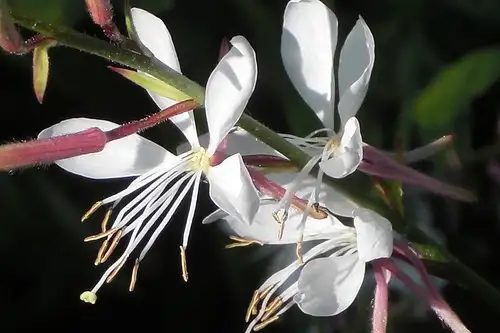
(441, 262)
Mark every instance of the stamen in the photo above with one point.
(105, 220)
(280, 216)
(184, 264)
(263, 324)
(91, 210)
(112, 247)
(240, 242)
(103, 248)
(101, 235)
(252, 306)
(133, 279)
(272, 308)
(113, 274)
(298, 252)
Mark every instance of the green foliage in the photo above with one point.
(454, 89)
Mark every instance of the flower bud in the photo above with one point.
(10, 38)
(100, 11)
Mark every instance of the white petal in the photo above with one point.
(129, 156)
(265, 229)
(374, 235)
(355, 67)
(154, 37)
(308, 43)
(231, 189)
(239, 141)
(229, 88)
(328, 286)
(348, 154)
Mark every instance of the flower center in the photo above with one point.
(199, 160)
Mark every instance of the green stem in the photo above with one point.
(440, 261)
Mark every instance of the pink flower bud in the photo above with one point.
(10, 39)
(43, 151)
(100, 11)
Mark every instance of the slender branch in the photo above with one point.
(440, 261)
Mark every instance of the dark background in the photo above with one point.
(45, 264)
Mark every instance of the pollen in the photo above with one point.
(199, 160)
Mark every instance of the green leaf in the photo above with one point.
(454, 88)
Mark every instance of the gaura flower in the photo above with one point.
(334, 269)
(308, 45)
(165, 179)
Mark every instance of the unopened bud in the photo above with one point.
(42, 151)
(41, 67)
(10, 38)
(100, 11)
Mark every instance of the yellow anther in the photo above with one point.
(103, 248)
(112, 246)
(298, 252)
(88, 297)
(263, 324)
(91, 210)
(184, 264)
(105, 220)
(239, 242)
(133, 279)
(272, 308)
(101, 235)
(252, 306)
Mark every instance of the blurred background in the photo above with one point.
(436, 70)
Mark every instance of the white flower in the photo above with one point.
(334, 269)
(165, 179)
(308, 45)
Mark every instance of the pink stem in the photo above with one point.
(380, 304)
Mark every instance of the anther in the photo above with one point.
(91, 210)
(105, 220)
(113, 274)
(103, 248)
(184, 264)
(265, 323)
(272, 308)
(298, 252)
(112, 246)
(133, 279)
(239, 242)
(252, 306)
(100, 236)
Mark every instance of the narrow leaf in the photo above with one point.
(454, 88)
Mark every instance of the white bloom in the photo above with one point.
(334, 269)
(165, 179)
(308, 45)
